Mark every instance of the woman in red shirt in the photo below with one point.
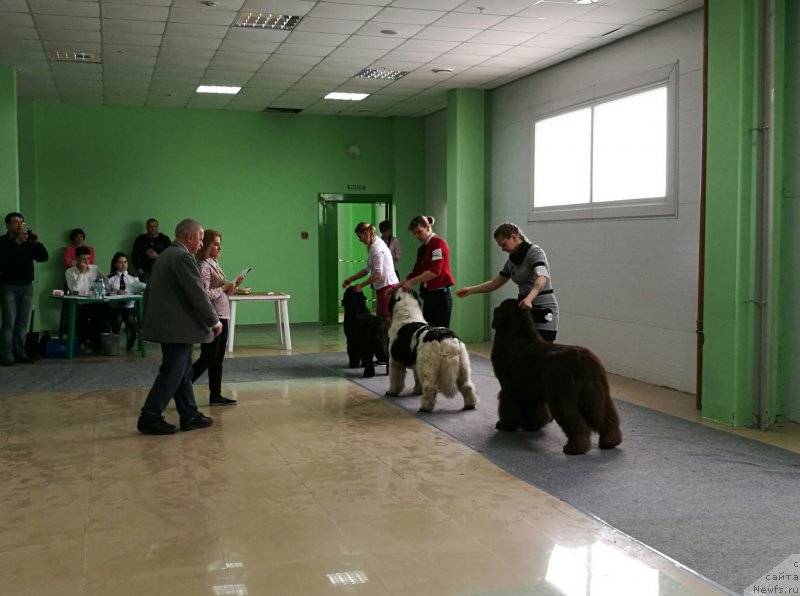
(432, 272)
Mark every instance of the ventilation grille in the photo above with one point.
(381, 73)
(86, 57)
(266, 20)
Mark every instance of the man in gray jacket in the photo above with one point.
(177, 314)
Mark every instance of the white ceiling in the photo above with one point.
(156, 52)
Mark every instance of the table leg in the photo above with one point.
(232, 326)
(279, 321)
(140, 322)
(287, 336)
(73, 306)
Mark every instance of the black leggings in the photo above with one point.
(211, 357)
(437, 306)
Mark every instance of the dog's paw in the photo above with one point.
(417, 390)
(421, 409)
(472, 407)
(354, 364)
(369, 372)
(500, 425)
(391, 394)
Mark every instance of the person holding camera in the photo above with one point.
(528, 268)
(18, 250)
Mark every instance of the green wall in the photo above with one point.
(731, 367)
(9, 161)
(253, 176)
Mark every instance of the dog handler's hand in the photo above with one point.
(346, 283)
(525, 304)
(463, 292)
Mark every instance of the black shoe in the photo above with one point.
(155, 426)
(23, 360)
(198, 421)
(222, 401)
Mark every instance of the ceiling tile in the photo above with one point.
(447, 33)
(374, 28)
(288, 7)
(258, 47)
(207, 16)
(70, 8)
(444, 5)
(363, 54)
(13, 6)
(502, 37)
(468, 20)
(525, 25)
(187, 30)
(313, 25)
(549, 40)
(70, 35)
(408, 17)
(480, 49)
(135, 12)
(15, 19)
(427, 46)
(618, 16)
(333, 10)
(123, 26)
(303, 50)
(56, 22)
(318, 39)
(584, 29)
(19, 33)
(197, 43)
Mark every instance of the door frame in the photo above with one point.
(328, 226)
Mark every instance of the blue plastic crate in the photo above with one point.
(57, 348)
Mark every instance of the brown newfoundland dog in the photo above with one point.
(538, 379)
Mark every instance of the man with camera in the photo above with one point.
(18, 250)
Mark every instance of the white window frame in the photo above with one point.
(666, 206)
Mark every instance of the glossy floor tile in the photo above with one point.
(306, 487)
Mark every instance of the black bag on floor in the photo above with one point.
(43, 341)
(32, 340)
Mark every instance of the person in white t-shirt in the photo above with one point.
(379, 270)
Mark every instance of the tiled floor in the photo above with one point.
(306, 487)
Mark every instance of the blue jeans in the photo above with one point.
(16, 305)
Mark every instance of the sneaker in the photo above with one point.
(155, 426)
(197, 421)
(222, 401)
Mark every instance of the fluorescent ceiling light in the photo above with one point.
(346, 96)
(265, 20)
(217, 89)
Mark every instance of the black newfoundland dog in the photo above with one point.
(366, 334)
(538, 379)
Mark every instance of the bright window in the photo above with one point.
(610, 158)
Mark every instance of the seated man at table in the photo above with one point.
(91, 319)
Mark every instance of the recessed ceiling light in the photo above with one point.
(266, 20)
(381, 73)
(586, 1)
(346, 96)
(442, 70)
(388, 31)
(218, 89)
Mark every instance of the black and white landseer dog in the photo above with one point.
(438, 358)
(538, 379)
(365, 333)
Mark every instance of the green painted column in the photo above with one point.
(9, 151)
(731, 257)
(466, 207)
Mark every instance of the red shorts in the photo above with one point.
(383, 300)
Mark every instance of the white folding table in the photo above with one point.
(281, 302)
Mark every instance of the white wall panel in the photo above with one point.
(626, 288)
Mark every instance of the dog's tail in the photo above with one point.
(449, 361)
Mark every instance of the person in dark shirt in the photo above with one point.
(18, 250)
(146, 249)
